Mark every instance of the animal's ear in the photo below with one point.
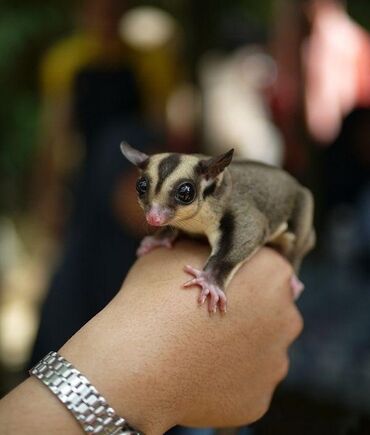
(136, 157)
(210, 168)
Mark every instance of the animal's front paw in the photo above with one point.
(209, 289)
(151, 242)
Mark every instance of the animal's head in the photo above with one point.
(173, 187)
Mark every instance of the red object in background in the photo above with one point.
(336, 59)
(320, 79)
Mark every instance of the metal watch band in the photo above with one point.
(80, 397)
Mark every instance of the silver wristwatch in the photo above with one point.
(80, 397)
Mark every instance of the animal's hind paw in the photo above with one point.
(297, 286)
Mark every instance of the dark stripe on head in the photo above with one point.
(165, 168)
(209, 190)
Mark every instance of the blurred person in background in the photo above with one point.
(336, 59)
(97, 92)
(97, 42)
(61, 148)
(323, 63)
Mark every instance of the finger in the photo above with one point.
(294, 323)
(297, 286)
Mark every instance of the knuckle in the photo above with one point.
(293, 323)
(298, 324)
(284, 367)
(281, 369)
(261, 408)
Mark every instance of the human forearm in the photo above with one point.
(31, 409)
(160, 360)
(115, 351)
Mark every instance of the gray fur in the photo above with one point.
(263, 199)
(136, 157)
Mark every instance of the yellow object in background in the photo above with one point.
(155, 68)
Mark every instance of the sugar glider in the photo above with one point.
(238, 205)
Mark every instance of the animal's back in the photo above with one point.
(272, 190)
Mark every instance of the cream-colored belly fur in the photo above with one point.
(203, 223)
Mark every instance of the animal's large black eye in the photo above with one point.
(142, 186)
(185, 193)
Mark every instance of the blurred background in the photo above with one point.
(286, 82)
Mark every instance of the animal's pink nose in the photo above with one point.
(154, 218)
(158, 215)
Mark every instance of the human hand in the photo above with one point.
(160, 360)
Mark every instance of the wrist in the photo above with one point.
(132, 343)
(113, 363)
(79, 396)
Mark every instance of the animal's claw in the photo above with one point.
(190, 282)
(209, 289)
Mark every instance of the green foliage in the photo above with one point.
(360, 11)
(26, 29)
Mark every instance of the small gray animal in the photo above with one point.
(239, 206)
